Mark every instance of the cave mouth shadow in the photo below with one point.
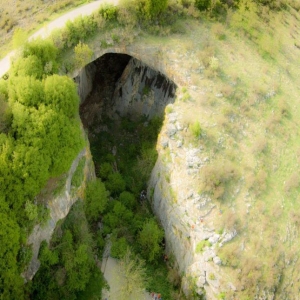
(123, 105)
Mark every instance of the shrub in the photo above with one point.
(201, 245)
(203, 4)
(105, 170)
(152, 8)
(96, 198)
(44, 50)
(128, 200)
(195, 129)
(119, 247)
(115, 184)
(149, 240)
(216, 178)
(83, 55)
(61, 94)
(108, 12)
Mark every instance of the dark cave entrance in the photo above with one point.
(122, 109)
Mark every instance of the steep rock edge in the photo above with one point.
(140, 91)
(177, 239)
(59, 208)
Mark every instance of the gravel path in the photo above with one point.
(44, 32)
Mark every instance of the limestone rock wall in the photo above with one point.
(85, 80)
(141, 91)
(59, 208)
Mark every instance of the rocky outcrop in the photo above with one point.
(85, 80)
(141, 91)
(59, 208)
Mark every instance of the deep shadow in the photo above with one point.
(123, 114)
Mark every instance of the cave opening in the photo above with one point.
(122, 109)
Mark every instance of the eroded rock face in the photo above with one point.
(59, 208)
(141, 91)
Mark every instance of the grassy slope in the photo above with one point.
(28, 15)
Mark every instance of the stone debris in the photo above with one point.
(192, 159)
(228, 237)
(214, 239)
(209, 254)
(217, 260)
(164, 143)
(179, 144)
(178, 126)
(201, 281)
(231, 286)
(172, 117)
(171, 130)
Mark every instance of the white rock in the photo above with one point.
(217, 260)
(214, 239)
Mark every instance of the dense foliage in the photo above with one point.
(39, 138)
(68, 268)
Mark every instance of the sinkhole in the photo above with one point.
(122, 109)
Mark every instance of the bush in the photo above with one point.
(128, 200)
(115, 184)
(105, 170)
(201, 245)
(83, 55)
(149, 240)
(119, 247)
(96, 198)
(195, 129)
(44, 50)
(203, 4)
(61, 94)
(108, 12)
(152, 8)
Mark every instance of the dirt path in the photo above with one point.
(44, 32)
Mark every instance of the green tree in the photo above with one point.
(128, 200)
(44, 50)
(83, 55)
(61, 95)
(19, 38)
(153, 8)
(149, 240)
(96, 198)
(115, 184)
(132, 270)
(203, 4)
(119, 247)
(10, 279)
(28, 66)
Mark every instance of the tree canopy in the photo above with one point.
(40, 136)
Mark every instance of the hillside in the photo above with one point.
(225, 186)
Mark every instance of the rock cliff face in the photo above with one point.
(133, 89)
(59, 208)
(141, 91)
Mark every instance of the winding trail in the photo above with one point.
(60, 22)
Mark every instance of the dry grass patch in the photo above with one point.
(28, 15)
